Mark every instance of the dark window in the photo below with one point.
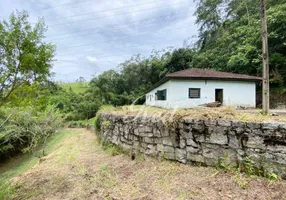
(194, 93)
(161, 95)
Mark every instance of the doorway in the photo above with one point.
(219, 95)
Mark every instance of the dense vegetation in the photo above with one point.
(229, 40)
(26, 117)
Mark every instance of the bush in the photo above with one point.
(24, 129)
(97, 123)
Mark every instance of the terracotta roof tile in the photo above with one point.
(197, 73)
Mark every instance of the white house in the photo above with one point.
(193, 87)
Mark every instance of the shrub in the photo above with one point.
(97, 123)
(24, 129)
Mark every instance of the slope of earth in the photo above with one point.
(76, 86)
(79, 168)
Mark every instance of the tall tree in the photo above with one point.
(24, 56)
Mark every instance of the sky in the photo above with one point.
(92, 36)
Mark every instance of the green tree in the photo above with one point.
(24, 56)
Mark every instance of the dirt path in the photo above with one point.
(80, 169)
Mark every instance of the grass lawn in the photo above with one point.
(76, 87)
(78, 167)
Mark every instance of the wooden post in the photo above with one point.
(265, 57)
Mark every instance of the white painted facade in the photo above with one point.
(235, 93)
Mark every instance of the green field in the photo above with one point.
(76, 87)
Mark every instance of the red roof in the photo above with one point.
(197, 73)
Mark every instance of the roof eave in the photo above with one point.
(216, 78)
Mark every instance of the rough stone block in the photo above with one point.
(146, 134)
(193, 150)
(114, 140)
(169, 156)
(255, 155)
(211, 161)
(255, 142)
(144, 145)
(188, 135)
(224, 123)
(253, 125)
(191, 142)
(180, 125)
(181, 155)
(195, 158)
(238, 124)
(157, 132)
(136, 131)
(168, 141)
(136, 145)
(217, 129)
(135, 138)
(257, 132)
(151, 150)
(276, 157)
(219, 138)
(168, 149)
(210, 122)
(158, 140)
(188, 121)
(283, 128)
(199, 137)
(277, 149)
(147, 129)
(270, 126)
(239, 130)
(182, 143)
(165, 132)
(211, 153)
(148, 140)
(234, 142)
(198, 127)
(142, 128)
(160, 147)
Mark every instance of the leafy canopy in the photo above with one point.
(24, 56)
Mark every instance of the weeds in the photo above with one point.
(97, 123)
(241, 180)
(83, 123)
(105, 124)
(247, 167)
(112, 149)
(6, 190)
(225, 164)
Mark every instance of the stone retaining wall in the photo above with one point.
(202, 141)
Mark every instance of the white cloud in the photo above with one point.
(91, 59)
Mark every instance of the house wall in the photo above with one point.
(235, 93)
(150, 97)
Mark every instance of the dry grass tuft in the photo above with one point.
(222, 113)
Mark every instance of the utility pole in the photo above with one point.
(265, 57)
